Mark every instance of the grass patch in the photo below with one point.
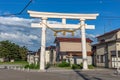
(15, 63)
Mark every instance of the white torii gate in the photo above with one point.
(45, 15)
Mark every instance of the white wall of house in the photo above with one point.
(30, 59)
(73, 46)
(70, 46)
(47, 56)
(118, 34)
(54, 57)
(111, 47)
(50, 57)
(118, 46)
(100, 49)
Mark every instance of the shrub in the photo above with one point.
(90, 66)
(81, 65)
(75, 66)
(26, 66)
(32, 66)
(64, 64)
(36, 67)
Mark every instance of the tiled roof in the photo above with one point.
(117, 40)
(108, 33)
(63, 39)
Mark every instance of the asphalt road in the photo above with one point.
(102, 74)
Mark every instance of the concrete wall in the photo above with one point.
(73, 46)
(78, 60)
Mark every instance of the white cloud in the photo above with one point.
(21, 22)
(19, 37)
(15, 21)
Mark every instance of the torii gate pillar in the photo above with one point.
(63, 16)
(43, 45)
(84, 51)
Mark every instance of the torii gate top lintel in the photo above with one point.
(62, 15)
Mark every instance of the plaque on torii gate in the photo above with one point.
(64, 16)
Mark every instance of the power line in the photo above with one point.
(19, 13)
(25, 7)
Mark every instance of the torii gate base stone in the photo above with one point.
(45, 15)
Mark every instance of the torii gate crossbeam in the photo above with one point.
(45, 15)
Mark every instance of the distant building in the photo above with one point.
(31, 57)
(50, 54)
(106, 49)
(69, 49)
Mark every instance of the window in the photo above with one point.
(101, 58)
(98, 59)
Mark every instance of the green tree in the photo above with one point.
(10, 51)
(23, 50)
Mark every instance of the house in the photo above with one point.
(106, 49)
(50, 56)
(32, 57)
(69, 49)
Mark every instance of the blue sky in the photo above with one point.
(17, 28)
